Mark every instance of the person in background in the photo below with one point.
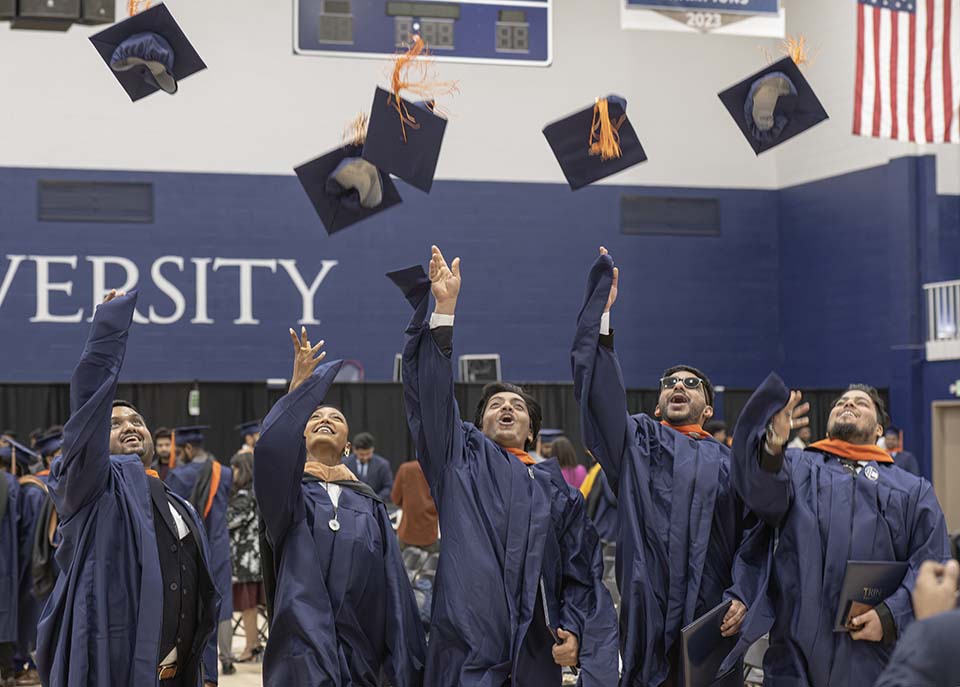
(33, 436)
(49, 446)
(902, 459)
(163, 444)
(250, 432)
(243, 522)
(545, 441)
(601, 502)
(9, 569)
(418, 525)
(926, 655)
(372, 469)
(802, 439)
(573, 472)
(206, 483)
(718, 430)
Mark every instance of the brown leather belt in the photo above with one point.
(167, 672)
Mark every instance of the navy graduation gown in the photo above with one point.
(926, 655)
(604, 515)
(101, 625)
(181, 481)
(509, 530)
(826, 517)
(682, 545)
(343, 609)
(32, 499)
(9, 556)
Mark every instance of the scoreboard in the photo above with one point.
(491, 31)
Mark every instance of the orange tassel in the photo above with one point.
(797, 49)
(172, 460)
(137, 6)
(604, 134)
(355, 133)
(411, 72)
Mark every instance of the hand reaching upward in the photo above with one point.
(444, 282)
(616, 281)
(305, 358)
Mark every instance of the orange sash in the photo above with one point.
(844, 449)
(43, 473)
(152, 473)
(214, 485)
(688, 429)
(522, 455)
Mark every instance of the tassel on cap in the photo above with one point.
(411, 73)
(797, 49)
(604, 134)
(137, 6)
(355, 133)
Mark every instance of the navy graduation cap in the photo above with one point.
(246, 428)
(345, 188)
(595, 143)
(7, 451)
(189, 435)
(773, 105)
(548, 436)
(47, 444)
(148, 52)
(404, 138)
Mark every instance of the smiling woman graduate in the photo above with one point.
(343, 612)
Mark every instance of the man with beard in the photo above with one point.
(134, 604)
(519, 589)
(683, 545)
(207, 484)
(162, 445)
(839, 500)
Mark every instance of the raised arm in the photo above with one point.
(281, 452)
(598, 384)
(82, 471)
(432, 412)
(758, 468)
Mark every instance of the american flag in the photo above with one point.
(908, 70)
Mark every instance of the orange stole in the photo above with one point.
(844, 449)
(214, 485)
(523, 456)
(688, 429)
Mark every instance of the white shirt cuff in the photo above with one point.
(438, 320)
(604, 324)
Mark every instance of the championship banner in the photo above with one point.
(761, 18)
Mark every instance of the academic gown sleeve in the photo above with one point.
(432, 412)
(587, 609)
(766, 489)
(608, 429)
(82, 471)
(926, 655)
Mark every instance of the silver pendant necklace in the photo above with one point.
(334, 522)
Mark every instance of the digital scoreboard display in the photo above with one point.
(509, 32)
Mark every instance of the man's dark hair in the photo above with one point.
(533, 407)
(714, 426)
(707, 386)
(364, 441)
(882, 418)
(161, 433)
(120, 403)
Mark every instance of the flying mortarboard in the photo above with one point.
(405, 137)
(251, 427)
(776, 103)
(148, 52)
(189, 435)
(346, 189)
(595, 143)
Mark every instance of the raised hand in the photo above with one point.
(935, 590)
(305, 358)
(792, 416)
(444, 282)
(113, 293)
(613, 287)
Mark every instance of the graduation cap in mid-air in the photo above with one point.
(776, 103)
(595, 143)
(345, 188)
(148, 52)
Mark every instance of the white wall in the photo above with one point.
(260, 109)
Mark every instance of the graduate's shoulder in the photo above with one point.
(903, 480)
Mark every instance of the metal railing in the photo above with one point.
(943, 320)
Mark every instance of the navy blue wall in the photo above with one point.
(949, 267)
(525, 247)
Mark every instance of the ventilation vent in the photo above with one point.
(95, 201)
(676, 216)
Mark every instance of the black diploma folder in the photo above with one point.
(865, 585)
(704, 650)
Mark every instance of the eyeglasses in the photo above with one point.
(688, 382)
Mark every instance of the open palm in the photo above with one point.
(444, 280)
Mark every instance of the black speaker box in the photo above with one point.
(8, 9)
(97, 12)
(49, 9)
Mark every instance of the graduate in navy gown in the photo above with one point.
(838, 500)
(683, 542)
(134, 604)
(206, 483)
(342, 609)
(9, 571)
(601, 503)
(926, 655)
(519, 590)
